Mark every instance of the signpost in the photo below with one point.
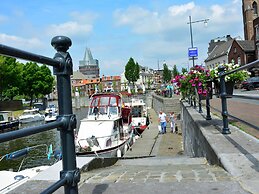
(193, 52)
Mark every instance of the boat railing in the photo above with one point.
(66, 121)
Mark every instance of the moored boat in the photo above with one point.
(106, 131)
(51, 113)
(7, 121)
(31, 115)
(140, 120)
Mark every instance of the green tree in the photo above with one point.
(184, 70)
(167, 75)
(46, 80)
(11, 76)
(132, 71)
(37, 81)
(175, 71)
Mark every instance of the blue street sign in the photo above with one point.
(193, 52)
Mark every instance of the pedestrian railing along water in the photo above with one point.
(224, 96)
(66, 121)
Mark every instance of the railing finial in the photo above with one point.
(61, 43)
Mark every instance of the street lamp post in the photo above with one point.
(205, 21)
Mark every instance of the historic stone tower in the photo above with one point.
(250, 12)
(89, 66)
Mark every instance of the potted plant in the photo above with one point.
(231, 79)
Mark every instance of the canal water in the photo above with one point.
(40, 143)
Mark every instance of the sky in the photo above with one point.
(152, 32)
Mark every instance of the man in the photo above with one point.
(162, 120)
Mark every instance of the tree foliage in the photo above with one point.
(11, 74)
(29, 80)
(132, 71)
(175, 71)
(167, 75)
(184, 70)
(37, 81)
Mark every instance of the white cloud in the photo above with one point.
(80, 24)
(181, 9)
(70, 28)
(19, 42)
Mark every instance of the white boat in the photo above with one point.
(31, 115)
(106, 131)
(140, 120)
(51, 113)
(7, 121)
(11, 180)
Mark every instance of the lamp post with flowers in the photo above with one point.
(193, 51)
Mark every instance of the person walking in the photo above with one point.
(162, 120)
(172, 122)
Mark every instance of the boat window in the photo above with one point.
(95, 102)
(104, 101)
(1, 118)
(103, 110)
(136, 111)
(113, 110)
(113, 101)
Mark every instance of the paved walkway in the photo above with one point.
(243, 110)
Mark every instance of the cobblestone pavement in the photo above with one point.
(157, 173)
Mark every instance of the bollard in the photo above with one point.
(223, 97)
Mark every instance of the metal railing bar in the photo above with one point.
(13, 52)
(55, 186)
(29, 131)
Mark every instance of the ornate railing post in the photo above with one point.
(223, 97)
(208, 116)
(63, 73)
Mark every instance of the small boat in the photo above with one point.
(11, 180)
(31, 115)
(106, 131)
(140, 120)
(7, 121)
(51, 113)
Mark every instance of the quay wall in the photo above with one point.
(196, 132)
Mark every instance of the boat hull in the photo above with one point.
(108, 152)
(9, 126)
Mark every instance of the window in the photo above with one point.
(256, 32)
(239, 61)
(254, 5)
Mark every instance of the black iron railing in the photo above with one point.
(224, 96)
(66, 122)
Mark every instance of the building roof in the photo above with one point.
(78, 75)
(246, 45)
(220, 50)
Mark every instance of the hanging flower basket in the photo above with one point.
(229, 88)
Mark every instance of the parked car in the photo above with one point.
(251, 83)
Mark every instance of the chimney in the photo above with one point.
(228, 37)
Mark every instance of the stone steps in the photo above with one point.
(157, 169)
